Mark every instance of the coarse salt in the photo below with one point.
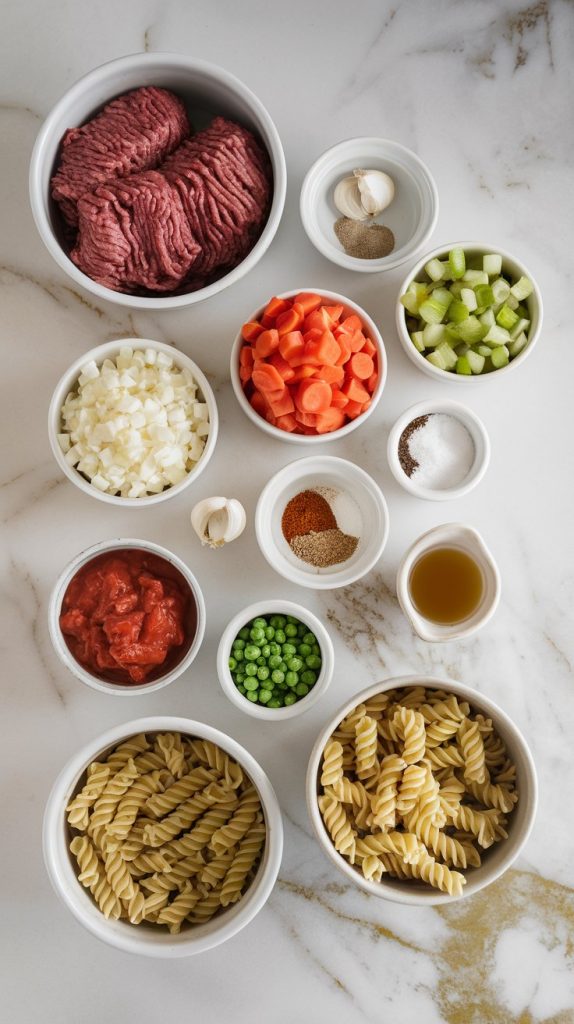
(443, 451)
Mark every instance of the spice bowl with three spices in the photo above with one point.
(322, 522)
(438, 450)
(275, 660)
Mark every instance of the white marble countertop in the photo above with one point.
(483, 93)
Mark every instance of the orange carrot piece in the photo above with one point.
(282, 366)
(356, 341)
(287, 422)
(250, 331)
(291, 344)
(338, 399)
(276, 306)
(246, 356)
(319, 318)
(354, 391)
(331, 419)
(308, 300)
(372, 382)
(281, 402)
(244, 374)
(360, 364)
(325, 349)
(353, 409)
(351, 324)
(369, 347)
(304, 371)
(313, 396)
(306, 419)
(266, 343)
(291, 320)
(257, 402)
(331, 374)
(266, 378)
(345, 347)
(335, 312)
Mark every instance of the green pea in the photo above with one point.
(301, 629)
(315, 649)
(313, 661)
(304, 650)
(251, 683)
(290, 698)
(252, 652)
(295, 664)
(275, 649)
(288, 650)
(308, 677)
(290, 629)
(266, 651)
(232, 663)
(238, 643)
(310, 638)
(269, 632)
(292, 678)
(259, 623)
(253, 696)
(280, 636)
(239, 677)
(244, 633)
(278, 621)
(263, 661)
(238, 653)
(263, 673)
(275, 661)
(251, 669)
(302, 690)
(265, 696)
(277, 676)
(257, 635)
(242, 690)
(275, 702)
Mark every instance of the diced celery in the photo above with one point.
(451, 334)
(462, 348)
(463, 366)
(475, 277)
(523, 311)
(482, 350)
(522, 289)
(492, 264)
(487, 318)
(484, 296)
(436, 359)
(500, 290)
(435, 270)
(458, 311)
(432, 311)
(447, 354)
(457, 263)
(517, 344)
(475, 361)
(456, 288)
(497, 335)
(414, 295)
(506, 317)
(511, 302)
(443, 296)
(469, 298)
(519, 327)
(471, 330)
(499, 357)
(417, 340)
(433, 334)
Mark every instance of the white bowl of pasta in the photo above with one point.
(163, 837)
(421, 790)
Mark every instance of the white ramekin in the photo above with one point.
(68, 382)
(450, 535)
(477, 431)
(497, 859)
(136, 938)
(207, 90)
(510, 265)
(55, 605)
(325, 471)
(275, 607)
(373, 333)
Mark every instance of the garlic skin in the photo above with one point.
(218, 521)
(364, 194)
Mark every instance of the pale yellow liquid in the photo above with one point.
(446, 585)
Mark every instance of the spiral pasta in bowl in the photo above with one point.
(421, 790)
(163, 837)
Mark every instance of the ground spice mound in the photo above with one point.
(325, 548)
(365, 241)
(307, 512)
(408, 464)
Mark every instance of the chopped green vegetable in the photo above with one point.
(492, 264)
(506, 317)
(278, 673)
(456, 263)
(499, 357)
(435, 270)
(522, 289)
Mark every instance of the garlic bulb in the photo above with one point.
(364, 194)
(218, 521)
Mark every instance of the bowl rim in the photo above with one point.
(275, 606)
(409, 896)
(99, 75)
(310, 580)
(165, 945)
(466, 416)
(98, 354)
(57, 596)
(458, 378)
(341, 258)
(310, 439)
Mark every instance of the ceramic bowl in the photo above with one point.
(141, 939)
(276, 607)
(411, 216)
(511, 267)
(64, 653)
(479, 436)
(467, 539)
(366, 512)
(308, 440)
(68, 382)
(207, 91)
(496, 860)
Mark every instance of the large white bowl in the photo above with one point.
(140, 939)
(67, 383)
(510, 266)
(207, 90)
(373, 333)
(497, 859)
(276, 607)
(55, 606)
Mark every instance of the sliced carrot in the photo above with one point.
(319, 318)
(325, 349)
(345, 347)
(288, 321)
(351, 324)
(282, 367)
(338, 399)
(306, 419)
(250, 331)
(281, 402)
(309, 301)
(246, 356)
(291, 344)
(271, 418)
(356, 341)
(331, 374)
(335, 312)
(313, 396)
(276, 306)
(331, 419)
(304, 371)
(360, 364)
(257, 402)
(287, 422)
(266, 343)
(354, 391)
(372, 382)
(267, 378)
(369, 348)
(244, 374)
(353, 409)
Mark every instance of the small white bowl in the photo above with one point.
(330, 472)
(58, 640)
(140, 939)
(510, 266)
(207, 91)
(497, 859)
(68, 382)
(275, 608)
(411, 216)
(477, 431)
(467, 539)
(373, 333)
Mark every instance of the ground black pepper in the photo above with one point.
(328, 547)
(364, 241)
(408, 464)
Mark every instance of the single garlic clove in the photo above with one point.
(218, 520)
(347, 199)
(376, 190)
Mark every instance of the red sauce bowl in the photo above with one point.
(172, 614)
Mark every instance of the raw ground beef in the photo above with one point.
(133, 133)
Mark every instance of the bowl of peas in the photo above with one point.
(275, 659)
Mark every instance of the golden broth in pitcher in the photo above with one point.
(446, 585)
